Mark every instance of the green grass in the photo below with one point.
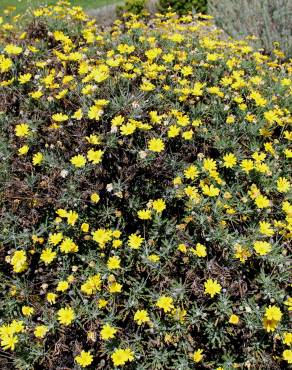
(21, 5)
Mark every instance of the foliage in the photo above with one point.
(145, 195)
(268, 20)
(184, 6)
(133, 6)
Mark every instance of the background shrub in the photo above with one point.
(133, 6)
(268, 20)
(183, 7)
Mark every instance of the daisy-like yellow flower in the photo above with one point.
(156, 145)
(22, 130)
(165, 303)
(141, 317)
(229, 160)
(135, 241)
(261, 247)
(27, 310)
(107, 332)
(233, 319)
(121, 356)
(159, 205)
(23, 79)
(84, 359)
(95, 156)
(78, 161)
(37, 159)
(40, 331)
(60, 117)
(144, 214)
(198, 355)
(95, 198)
(66, 316)
(114, 263)
(212, 287)
(47, 256)
(23, 150)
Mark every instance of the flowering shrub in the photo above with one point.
(184, 6)
(145, 183)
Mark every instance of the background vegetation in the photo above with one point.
(145, 205)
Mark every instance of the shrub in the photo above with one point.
(145, 196)
(184, 6)
(268, 20)
(132, 6)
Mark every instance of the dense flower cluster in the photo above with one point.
(146, 198)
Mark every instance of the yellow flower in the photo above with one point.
(95, 198)
(209, 164)
(153, 258)
(19, 261)
(273, 313)
(113, 263)
(165, 303)
(95, 156)
(72, 217)
(265, 228)
(60, 117)
(272, 317)
(78, 161)
(234, 319)
(262, 201)
(13, 49)
(107, 332)
(135, 241)
(23, 150)
(47, 256)
(182, 248)
(24, 78)
(27, 311)
(78, 115)
(21, 130)
(84, 227)
(229, 160)
(198, 355)
(36, 94)
(37, 159)
(159, 205)
(51, 298)
(262, 247)
(8, 342)
(144, 214)
(191, 172)
(156, 145)
(241, 253)
(102, 236)
(66, 316)
(62, 286)
(287, 355)
(212, 287)
(211, 190)
(141, 316)
(115, 287)
(40, 331)
(121, 356)
(5, 63)
(84, 359)
(101, 303)
(287, 338)
(247, 165)
(200, 250)
(55, 238)
(283, 185)
(128, 129)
